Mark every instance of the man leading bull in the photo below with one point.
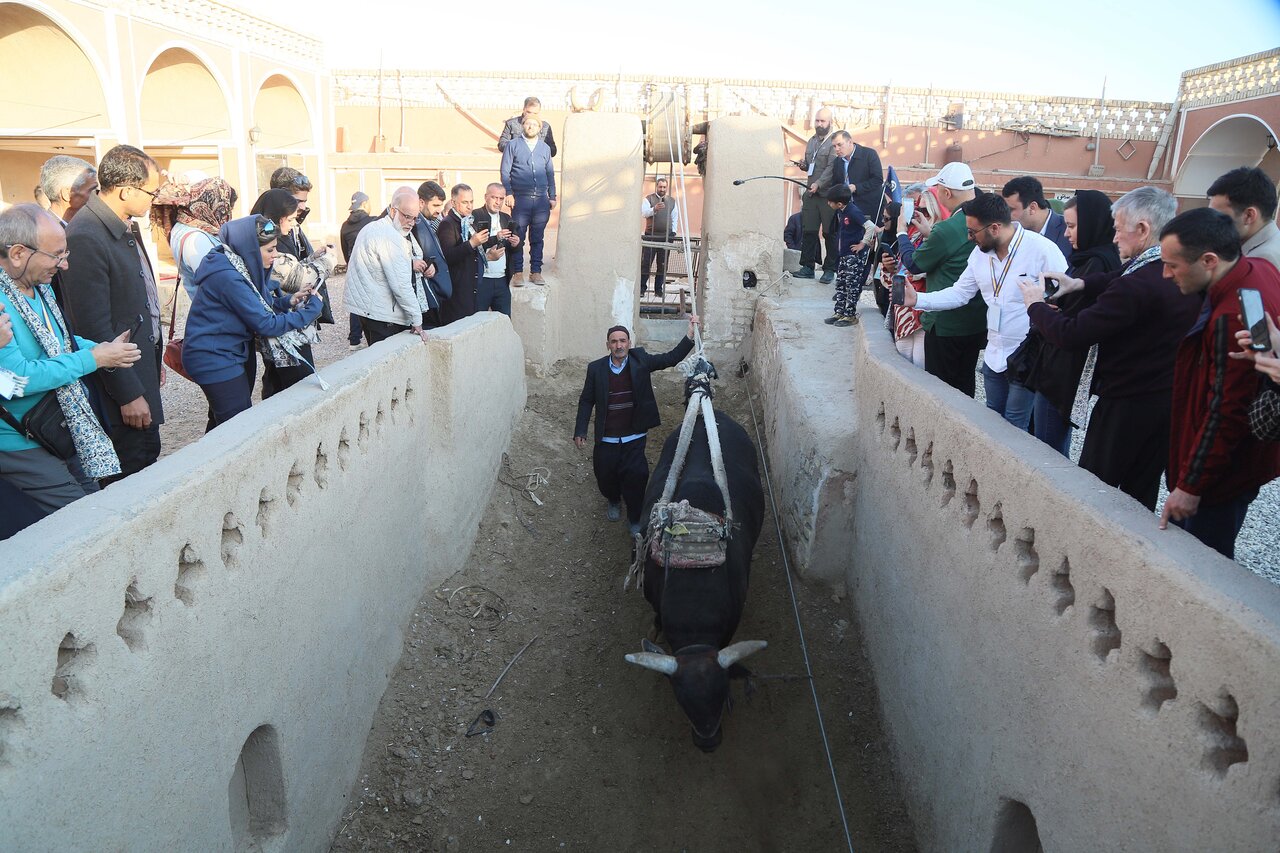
(620, 391)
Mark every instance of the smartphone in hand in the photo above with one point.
(134, 329)
(897, 292)
(1255, 319)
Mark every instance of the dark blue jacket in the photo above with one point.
(851, 232)
(440, 287)
(528, 173)
(226, 314)
(792, 235)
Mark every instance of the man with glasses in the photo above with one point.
(384, 285)
(952, 339)
(1005, 253)
(109, 289)
(460, 240)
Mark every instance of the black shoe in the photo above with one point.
(845, 321)
(827, 277)
(831, 321)
(803, 272)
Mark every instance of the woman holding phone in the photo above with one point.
(1054, 374)
(233, 305)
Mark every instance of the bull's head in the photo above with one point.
(700, 677)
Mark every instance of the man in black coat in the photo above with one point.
(437, 283)
(859, 167)
(493, 290)
(358, 219)
(618, 387)
(107, 287)
(461, 254)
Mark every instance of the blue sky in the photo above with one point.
(1056, 48)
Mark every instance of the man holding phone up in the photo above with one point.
(1005, 253)
(1216, 466)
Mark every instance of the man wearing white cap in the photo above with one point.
(952, 339)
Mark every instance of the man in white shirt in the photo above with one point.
(1248, 196)
(661, 222)
(1005, 253)
(493, 291)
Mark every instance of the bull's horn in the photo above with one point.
(730, 655)
(664, 664)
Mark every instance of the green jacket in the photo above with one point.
(942, 257)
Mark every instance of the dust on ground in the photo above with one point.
(588, 752)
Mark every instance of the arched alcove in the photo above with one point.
(256, 793)
(1016, 830)
(181, 102)
(51, 83)
(1241, 140)
(281, 117)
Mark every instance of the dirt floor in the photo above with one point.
(588, 752)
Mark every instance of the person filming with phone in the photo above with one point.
(52, 447)
(1005, 252)
(1216, 465)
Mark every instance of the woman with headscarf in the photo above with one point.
(1054, 374)
(190, 215)
(281, 207)
(234, 304)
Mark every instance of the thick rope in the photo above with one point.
(682, 450)
(717, 458)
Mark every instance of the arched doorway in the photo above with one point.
(281, 131)
(53, 117)
(1239, 140)
(184, 114)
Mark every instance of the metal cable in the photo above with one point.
(795, 607)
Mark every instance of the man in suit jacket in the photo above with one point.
(460, 243)
(108, 287)
(501, 249)
(1027, 205)
(859, 167)
(438, 284)
(618, 387)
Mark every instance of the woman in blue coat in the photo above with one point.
(232, 307)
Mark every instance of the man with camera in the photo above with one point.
(499, 247)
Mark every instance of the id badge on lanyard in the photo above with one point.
(993, 317)
(997, 284)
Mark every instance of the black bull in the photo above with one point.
(699, 609)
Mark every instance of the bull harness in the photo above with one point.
(681, 536)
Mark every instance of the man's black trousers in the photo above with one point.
(1127, 444)
(954, 359)
(622, 473)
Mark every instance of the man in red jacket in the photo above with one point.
(1216, 466)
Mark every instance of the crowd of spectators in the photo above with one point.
(1183, 388)
(1154, 294)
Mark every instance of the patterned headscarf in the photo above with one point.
(205, 205)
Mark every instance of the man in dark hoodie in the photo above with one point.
(359, 218)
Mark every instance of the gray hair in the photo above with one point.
(21, 224)
(402, 192)
(458, 189)
(1146, 204)
(60, 173)
(917, 188)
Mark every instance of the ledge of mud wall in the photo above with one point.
(1047, 660)
(191, 659)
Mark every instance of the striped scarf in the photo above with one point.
(97, 455)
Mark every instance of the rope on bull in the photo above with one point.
(681, 535)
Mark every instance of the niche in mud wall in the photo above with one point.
(1016, 830)
(256, 793)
